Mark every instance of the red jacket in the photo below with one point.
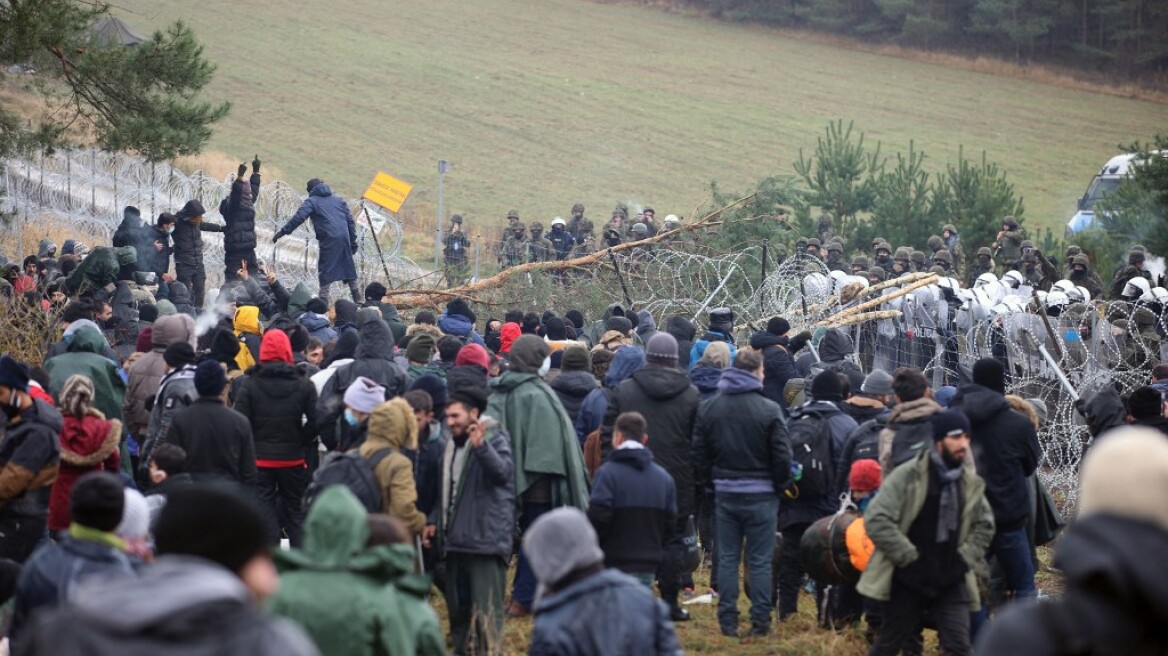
(88, 444)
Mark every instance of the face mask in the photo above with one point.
(545, 367)
(350, 418)
(169, 229)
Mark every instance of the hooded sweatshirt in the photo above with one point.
(393, 426)
(247, 329)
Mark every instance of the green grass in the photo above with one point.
(539, 104)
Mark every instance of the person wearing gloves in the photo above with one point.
(188, 248)
(335, 231)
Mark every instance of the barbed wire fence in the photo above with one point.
(84, 191)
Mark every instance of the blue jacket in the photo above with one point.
(699, 347)
(53, 570)
(627, 361)
(335, 230)
(461, 327)
(606, 613)
(633, 509)
(706, 380)
(318, 326)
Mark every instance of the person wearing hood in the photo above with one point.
(662, 393)
(335, 232)
(575, 381)
(1145, 407)
(1116, 590)
(188, 248)
(931, 524)
(459, 321)
(154, 254)
(634, 503)
(180, 297)
(721, 330)
(217, 439)
(89, 443)
(133, 232)
(646, 327)
(556, 335)
(250, 334)
(176, 391)
(202, 594)
(508, 333)
(1006, 450)
(29, 458)
(280, 405)
(592, 336)
(584, 608)
(742, 448)
(89, 549)
(549, 466)
(393, 428)
(238, 210)
(147, 373)
(76, 314)
(315, 320)
(595, 409)
(342, 354)
(345, 316)
(708, 371)
(85, 358)
(353, 597)
(101, 269)
(779, 353)
(374, 361)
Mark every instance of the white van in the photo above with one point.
(1113, 172)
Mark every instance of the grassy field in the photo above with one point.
(541, 104)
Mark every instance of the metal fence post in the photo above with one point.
(478, 251)
(92, 181)
(69, 180)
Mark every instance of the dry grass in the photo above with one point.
(219, 165)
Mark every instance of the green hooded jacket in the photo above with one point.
(352, 600)
(85, 357)
(543, 441)
(298, 301)
(99, 268)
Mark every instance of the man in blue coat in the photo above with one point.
(336, 233)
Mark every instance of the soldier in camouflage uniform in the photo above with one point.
(1069, 266)
(615, 227)
(860, 265)
(1009, 241)
(512, 220)
(902, 261)
(1026, 248)
(581, 229)
(825, 227)
(456, 250)
(539, 248)
(917, 258)
(877, 275)
(1082, 275)
(514, 250)
(649, 218)
(935, 243)
(835, 257)
(944, 261)
(984, 264)
(814, 248)
(952, 242)
(883, 259)
(1037, 271)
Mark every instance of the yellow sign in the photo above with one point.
(388, 192)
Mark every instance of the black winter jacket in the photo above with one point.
(778, 364)
(571, 387)
(188, 240)
(374, 360)
(633, 509)
(683, 331)
(239, 216)
(741, 434)
(275, 397)
(1005, 448)
(217, 440)
(669, 403)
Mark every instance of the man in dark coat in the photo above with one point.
(132, 232)
(336, 232)
(683, 331)
(188, 248)
(742, 448)
(280, 405)
(1006, 450)
(575, 380)
(1116, 596)
(373, 360)
(154, 255)
(238, 210)
(662, 393)
(778, 353)
(217, 439)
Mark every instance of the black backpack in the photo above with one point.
(811, 449)
(354, 472)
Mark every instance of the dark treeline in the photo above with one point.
(1126, 37)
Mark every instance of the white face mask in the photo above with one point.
(545, 367)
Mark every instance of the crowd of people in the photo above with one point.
(275, 472)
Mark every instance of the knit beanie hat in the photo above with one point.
(576, 317)
(988, 372)
(620, 324)
(97, 501)
(297, 337)
(276, 347)
(864, 476)
(661, 350)
(364, 395)
(435, 387)
(218, 522)
(826, 386)
(317, 305)
(375, 291)
(944, 396)
(950, 422)
(460, 307)
(555, 329)
(576, 358)
(13, 374)
(877, 383)
(528, 353)
(1126, 474)
(561, 542)
(76, 396)
(421, 348)
(210, 379)
(135, 516)
(473, 354)
(178, 354)
(145, 340)
(225, 346)
(1145, 403)
(165, 308)
(147, 312)
(778, 326)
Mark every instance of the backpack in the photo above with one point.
(354, 472)
(811, 450)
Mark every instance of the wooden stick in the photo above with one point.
(838, 316)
